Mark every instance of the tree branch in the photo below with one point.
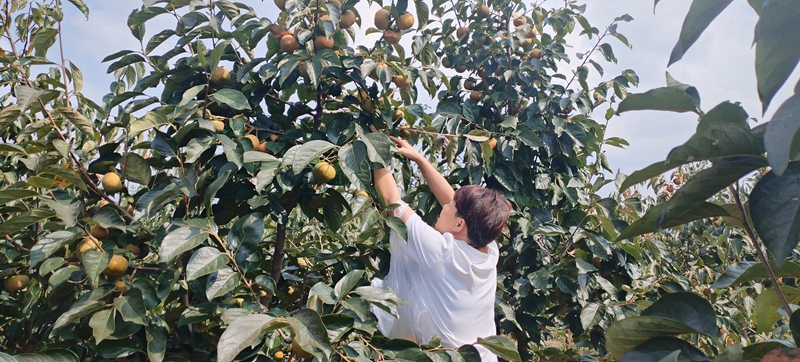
(757, 246)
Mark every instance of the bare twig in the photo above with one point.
(63, 65)
(589, 54)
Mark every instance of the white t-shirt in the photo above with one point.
(448, 285)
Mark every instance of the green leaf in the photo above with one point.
(501, 346)
(116, 55)
(66, 174)
(355, 164)
(93, 263)
(75, 313)
(222, 178)
(715, 141)
(324, 292)
(135, 168)
(757, 5)
(78, 119)
(82, 7)
(150, 120)
(102, 324)
(8, 115)
(746, 271)
(12, 148)
(754, 352)
(687, 308)
(379, 147)
(68, 213)
(164, 144)
(43, 39)
(338, 325)
(231, 97)
(137, 18)
(156, 342)
(196, 147)
(702, 142)
(8, 195)
(27, 96)
(662, 349)
(423, 13)
(247, 231)
(624, 335)
(158, 39)
(662, 99)
(347, 283)
(48, 245)
(77, 77)
(23, 220)
(310, 333)
(381, 297)
(507, 311)
(777, 47)
(701, 14)
(221, 282)
(131, 307)
(257, 156)
(62, 275)
(233, 151)
(726, 113)
(652, 220)
(733, 353)
(216, 54)
(709, 182)
(397, 225)
(204, 261)
(690, 90)
(307, 152)
(179, 241)
(48, 355)
(775, 211)
(242, 332)
(781, 131)
(794, 325)
(466, 353)
(50, 265)
(592, 313)
(108, 218)
(415, 354)
(768, 303)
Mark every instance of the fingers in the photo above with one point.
(398, 142)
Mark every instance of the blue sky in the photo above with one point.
(720, 64)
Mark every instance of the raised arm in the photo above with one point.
(384, 182)
(438, 184)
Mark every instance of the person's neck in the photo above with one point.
(464, 237)
(483, 249)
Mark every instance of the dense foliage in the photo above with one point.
(749, 249)
(187, 220)
(217, 203)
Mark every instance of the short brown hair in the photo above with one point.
(485, 212)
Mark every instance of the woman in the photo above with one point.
(447, 274)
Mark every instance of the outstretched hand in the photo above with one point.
(405, 149)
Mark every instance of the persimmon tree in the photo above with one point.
(217, 204)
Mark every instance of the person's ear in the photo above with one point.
(460, 224)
